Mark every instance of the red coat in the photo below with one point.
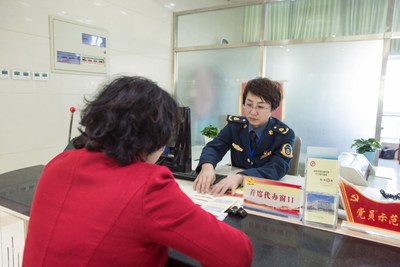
(89, 211)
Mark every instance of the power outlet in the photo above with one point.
(21, 75)
(45, 76)
(36, 76)
(40, 76)
(4, 74)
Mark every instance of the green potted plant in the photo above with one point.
(209, 132)
(367, 147)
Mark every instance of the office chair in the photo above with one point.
(294, 163)
(398, 153)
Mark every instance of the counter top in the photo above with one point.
(281, 243)
(18, 187)
(276, 241)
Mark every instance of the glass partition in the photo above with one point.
(305, 19)
(396, 17)
(329, 60)
(390, 133)
(391, 108)
(227, 26)
(209, 82)
(395, 42)
(331, 90)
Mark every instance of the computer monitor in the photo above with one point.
(177, 155)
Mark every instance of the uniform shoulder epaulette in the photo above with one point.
(236, 119)
(281, 129)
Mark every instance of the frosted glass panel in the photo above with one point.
(391, 129)
(391, 108)
(228, 26)
(396, 17)
(392, 84)
(209, 82)
(324, 18)
(331, 90)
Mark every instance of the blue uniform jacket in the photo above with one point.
(272, 154)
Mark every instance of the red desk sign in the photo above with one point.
(363, 210)
(272, 197)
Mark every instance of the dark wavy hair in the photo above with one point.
(128, 119)
(270, 91)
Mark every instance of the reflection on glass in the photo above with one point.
(209, 82)
(228, 26)
(93, 40)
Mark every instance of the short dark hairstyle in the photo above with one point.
(270, 91)
(128, 119)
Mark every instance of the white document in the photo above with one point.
(214, 205)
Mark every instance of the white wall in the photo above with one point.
(34, 115)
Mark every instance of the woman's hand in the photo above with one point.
(231, 182)
(205, 179)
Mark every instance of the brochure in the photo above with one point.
(321, 197)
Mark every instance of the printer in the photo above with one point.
(355, 168)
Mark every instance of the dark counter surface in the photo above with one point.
(275, 242)
(281, 243)
(18, 187)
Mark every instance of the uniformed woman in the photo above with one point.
(259, 143)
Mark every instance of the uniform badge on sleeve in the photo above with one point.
(265, 154)
(287, 151)
(237, 147)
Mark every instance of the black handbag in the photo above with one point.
(387, 153)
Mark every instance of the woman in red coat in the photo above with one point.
(107, 204)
